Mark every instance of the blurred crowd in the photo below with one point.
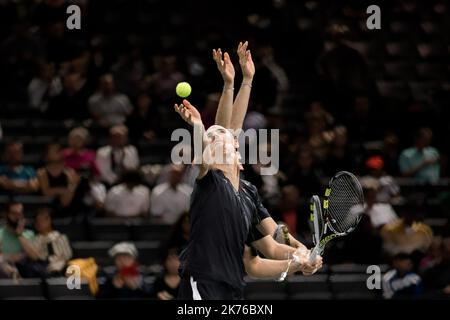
(116, 77)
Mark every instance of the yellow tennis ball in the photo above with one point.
(183, 89)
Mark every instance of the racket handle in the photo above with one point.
(314, 253)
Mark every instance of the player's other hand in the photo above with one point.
(188, 113)
(246, 61)
(224, 65)
(304, 264)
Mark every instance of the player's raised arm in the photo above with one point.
(226, 69)
(191, 115)
(248, 71)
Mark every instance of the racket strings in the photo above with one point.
(344, 205)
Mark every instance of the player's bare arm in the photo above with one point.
(192, 116)
(248, 71)
(226, 69)
(268, 227)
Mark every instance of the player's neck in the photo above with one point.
(231, 172)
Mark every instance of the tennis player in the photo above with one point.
(229, 224)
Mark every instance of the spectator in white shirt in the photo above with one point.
(379, 213)
(128, 199)
(109, 107)
(170, 199)
(117, 157)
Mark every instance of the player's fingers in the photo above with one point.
(187, 104)
(226, 58)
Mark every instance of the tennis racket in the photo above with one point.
(316, 219)
(343, 206)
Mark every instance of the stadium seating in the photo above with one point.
(23, 289)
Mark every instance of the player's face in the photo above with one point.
(222, 147)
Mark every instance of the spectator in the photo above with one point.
(53, 247)
(421, 160)
(388, 190)
(166, 285)
(77, 157)
(170, 199)
(406, 235)
(109, 107)
(127, 281)
(90, 191)
(44, 87)
(16, 178)
(117, 157)
(145, 121)
(17, 242)
(402, 282)
(72, 101)
(57, 180)
(391, 153)
(380, 213)
(128, 199)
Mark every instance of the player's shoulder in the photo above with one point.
(249, 187)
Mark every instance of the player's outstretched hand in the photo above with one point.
(304, 264)
(188, 113)
(246, 61)
(224, 65)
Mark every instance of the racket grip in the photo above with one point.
(314, 253)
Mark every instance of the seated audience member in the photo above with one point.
(43, 87)
(107, 106)
(117, 157)
(77, 156)
(170, 199)
(127, 282)
(406, 235)
(166, 285)
(421, 161)
(128, 199)
(436, 279)
(52, 246)
(388, 191)
(57, 180)
(16, 178)
(71, 103)
(401, 282)
(17, 243)
(379, 213)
